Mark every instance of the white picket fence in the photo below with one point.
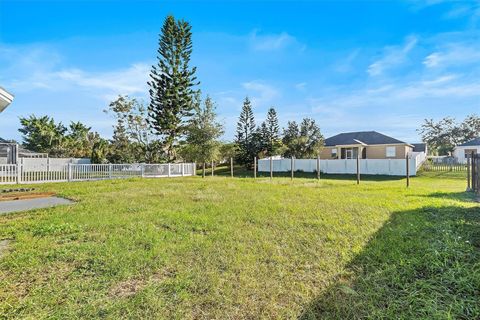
(24, 173)
(392, 167)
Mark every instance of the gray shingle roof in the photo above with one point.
(474, 142)
(367, 137)
(419, 147)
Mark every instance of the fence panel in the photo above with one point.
(8, 173)
(57, 172)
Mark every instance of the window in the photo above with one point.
(468, 153)
(349, 153)
(391, 152)
(334, 153)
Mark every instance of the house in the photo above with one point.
(5, 99)
(462, 151)
(366, 144)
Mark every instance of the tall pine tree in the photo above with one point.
(271, 129)
(245, 134)
(172, 84)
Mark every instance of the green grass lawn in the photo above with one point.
(223, 248)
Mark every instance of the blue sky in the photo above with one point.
(350, 65)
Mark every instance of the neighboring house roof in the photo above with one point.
(5, 99)
(4, 145)
(419, 147)
(474, 142)
(361, 137)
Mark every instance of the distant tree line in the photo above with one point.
(302, 140)
(442, 136)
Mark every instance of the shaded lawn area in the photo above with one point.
(192, 248)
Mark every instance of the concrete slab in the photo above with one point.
(30, 204)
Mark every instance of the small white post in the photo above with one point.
(69, 165)
(142, 170)
(110, 169)
(19, 173)
(168, 169)
(183, 169)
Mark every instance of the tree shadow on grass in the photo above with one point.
(422, 264)
(459, 196)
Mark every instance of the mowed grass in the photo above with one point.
(223, 248)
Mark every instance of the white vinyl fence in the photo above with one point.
(391, 167)
(39, 173)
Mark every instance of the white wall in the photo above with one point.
(392, 167)
(459, 153)
(32, 164)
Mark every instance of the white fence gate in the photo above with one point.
(40, 173)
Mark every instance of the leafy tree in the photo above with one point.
(100, 151)
(171, 85)
(203, 132)
(470, 128)
(43, 135)
(133, 139)
(304, 141)
(245, 138)
(442, 136)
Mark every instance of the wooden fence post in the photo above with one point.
(468, 174)
(474, 172)
(271, 168)
(231, 167)
(255, 167)
(318, 168)
(292, 167)
(358, 168)
(407, 163)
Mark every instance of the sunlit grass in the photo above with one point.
(219, 247)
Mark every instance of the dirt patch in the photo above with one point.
(23, 196)
(130, 287)
(4, 247)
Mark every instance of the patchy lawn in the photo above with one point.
(192, 248)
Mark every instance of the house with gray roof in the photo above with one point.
(463, 151)
(365, 144)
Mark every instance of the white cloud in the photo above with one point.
(39, 67)
(260, 93)
(270, 42)
(392, 56)
(454, 54)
